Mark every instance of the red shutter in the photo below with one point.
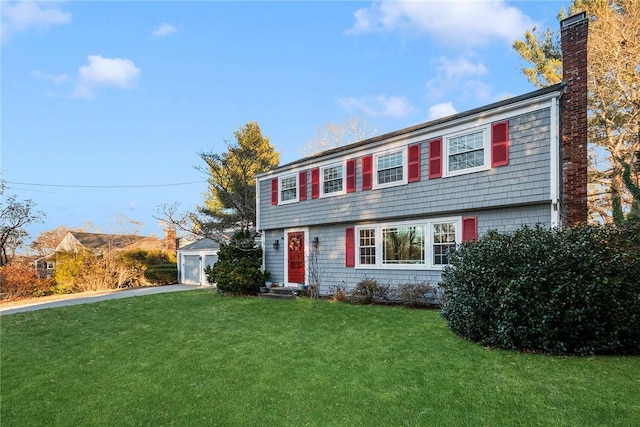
(302, 185)
(499, 144)
(414, 162)
(351, 175)
(367, 172)
(350, 247)
(274, 191)
(435, 158)
(469, 228)
(315, 183)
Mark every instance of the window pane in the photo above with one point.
(332, 179)
(367, 244)
(289, 189)
(403, 245)
(390, 168)
(466, 151)
(444, 240)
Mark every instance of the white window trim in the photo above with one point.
(405, 166)
(280, 188)
(427, 226)
(344, 179)
(486, 144)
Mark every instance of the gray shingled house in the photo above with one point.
(392, 206)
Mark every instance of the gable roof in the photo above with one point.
(200, 245)
(99, 241)
(444, 121)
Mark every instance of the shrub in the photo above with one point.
(418, 295)
(338, 293)
(237, 270)
(574, 291)
(162, 274)
(86, 271)
(369, 291)
(20, 281)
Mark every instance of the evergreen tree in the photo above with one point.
(231, 198)
(614, 99)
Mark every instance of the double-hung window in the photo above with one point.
(367, 246)
(289, 189)
(332, 180)
(419, 244)
(467, 152)
(444, 241)
(390, 168)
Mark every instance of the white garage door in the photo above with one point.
(191, 270)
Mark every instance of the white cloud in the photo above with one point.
(378, 106)
(106, 72)
(441, 110)
(459, 22)
(27, 15)
(455, 74)
(164, 30)
(55, 78)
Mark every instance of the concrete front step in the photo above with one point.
(281, 292)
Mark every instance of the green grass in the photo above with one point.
(193, 358)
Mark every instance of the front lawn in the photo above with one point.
(194, 358)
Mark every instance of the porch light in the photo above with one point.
(316, 242)
(276, 244)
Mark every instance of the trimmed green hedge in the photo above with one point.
(575, 291)
(162, 274)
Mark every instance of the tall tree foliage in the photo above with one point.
(614, 99)
(15, 215)
(333, 135)
(231, 198)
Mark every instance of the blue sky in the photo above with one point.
(106, 105)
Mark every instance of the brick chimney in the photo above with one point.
(574, 34)
(170, 241)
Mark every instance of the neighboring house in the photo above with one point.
(194, 258)
(392, 206)
(97, 243)
(101, 242)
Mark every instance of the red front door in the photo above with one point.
(295, 248)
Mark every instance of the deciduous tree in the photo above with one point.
(47, 241)
(333, 135)
(15, 215)
(614, 99)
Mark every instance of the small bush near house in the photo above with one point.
(369, 291)
(237, 270)
(20, 281)
(575, 291)
(418, 295)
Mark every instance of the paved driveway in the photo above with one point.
(89, 297)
